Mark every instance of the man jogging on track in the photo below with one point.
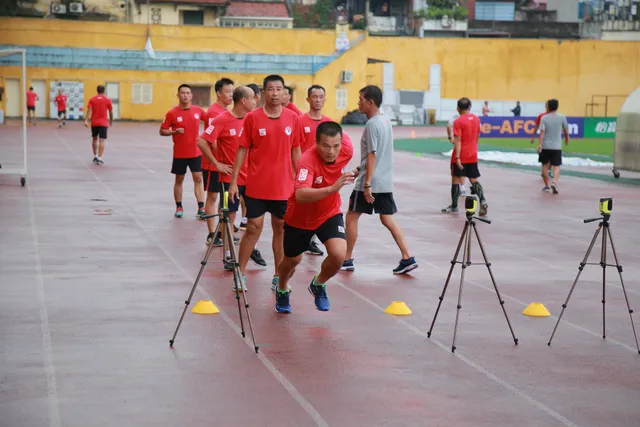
(97, 110)
(552, 127)
(314, 209)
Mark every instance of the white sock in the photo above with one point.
(244, 219)
(228, 254)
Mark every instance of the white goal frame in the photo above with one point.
(17, 171)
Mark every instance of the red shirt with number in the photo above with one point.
(313, 172)
(61, 102)
(291, 106)
(213, 111)
(185, 145)
(467, 127)
(307, 130)
(225, 129)
(269, 143)
(32, 97)
(99, 105)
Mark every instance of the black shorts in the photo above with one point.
(210, 179)
(258, 207)
(179, 166)
(470, 170)
(383, 203)
(99, 131)
(62, 113)
(296, 240)
(31, 108)
(550, 156)
(233, 205)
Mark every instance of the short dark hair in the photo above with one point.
(288, 89)
(552, 104)
(183, 85)
(372, 93)
(100, 89)
(329, 129)
(30, 87)
(240, 93)
(222, 83)
(311, 88)
(272, 78)
(464, 103)
(255, 88)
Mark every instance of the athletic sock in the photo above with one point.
(455, 194)
(280, 291)
(477, 189)
(317, 283)
(227, 254)
(178, 204)
(200, 205)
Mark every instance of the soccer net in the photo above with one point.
(13, 114)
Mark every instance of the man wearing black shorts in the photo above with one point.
(552, 127)
(182, 123)
(314, 209)
(268, 138)
(374, 186)
(464, 159)
(100, 114)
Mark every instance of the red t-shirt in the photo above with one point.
(31, 99)
(269, 143)
(61, 100)
(467, 127)
(99, 105)
(307, 130)
(213, 111)
(185, 145)
(291, 106)
(225, 129)
(539, 118)
(313, 172)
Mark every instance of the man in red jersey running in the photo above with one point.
(314, 209)
(97, 110)
(286, 103)
(182, 123)
(61, 104)
(32, 97)
(464, 159)
(222, 138)
(269, 139)
(224, 98)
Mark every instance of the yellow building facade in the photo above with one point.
(525, 70)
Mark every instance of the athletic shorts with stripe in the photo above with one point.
(296, 240)
(210, 180)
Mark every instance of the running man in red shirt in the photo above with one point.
(61, 103)
(464, 159)
(219, 144)
(97, 109)
(286, 102)
(224, 98)
(314, 209)
(269, 139)
(32, 97)
(182, 123)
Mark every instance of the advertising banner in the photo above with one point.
(522, 127)
(600, 127)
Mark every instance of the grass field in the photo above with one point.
(600, 148)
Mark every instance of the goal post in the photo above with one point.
(9, 57)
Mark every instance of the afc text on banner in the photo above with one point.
(522, 127)
(599, 127)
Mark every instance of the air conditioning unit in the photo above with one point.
(58, 9)
(122, 5)
(75, 7)
(346, 77)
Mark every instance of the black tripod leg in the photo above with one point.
(446, 283)
(619, 268)
(203, 263)
(582, 264)
(240, 287)
(603, 264)
(466, 261)
(493, 280)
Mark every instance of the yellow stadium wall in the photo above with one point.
(498, 69)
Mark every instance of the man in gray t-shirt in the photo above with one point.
(374, 183)
(552, 127)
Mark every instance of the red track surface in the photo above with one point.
(90, 301)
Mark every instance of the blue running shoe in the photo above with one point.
(405, 266)
(347, 265)
(320, 296)
(283, 305)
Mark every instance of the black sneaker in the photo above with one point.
(256, 256)
(228, 265)
(210, 238)
(314, 249)
(405, 266)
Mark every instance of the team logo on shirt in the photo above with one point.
(209, 130)
(319, 180)
(196, 116)
(307, 129)
(303, 175)
(232, 132)
(287, 130)
(179, 119)
(262, 132)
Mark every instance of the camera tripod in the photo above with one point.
(466, 262)
(603, 227)
(237, 275)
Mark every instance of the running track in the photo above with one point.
(90, 301)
